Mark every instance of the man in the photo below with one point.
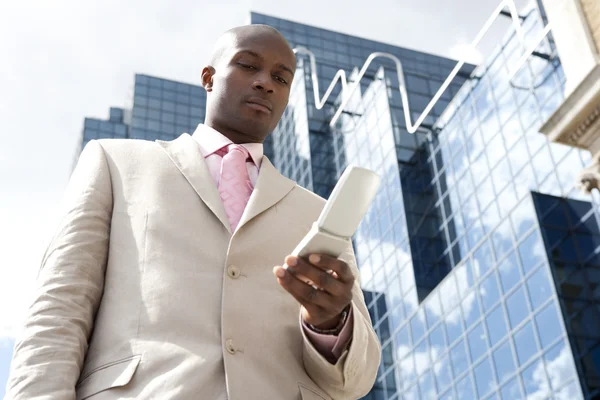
(160, 282)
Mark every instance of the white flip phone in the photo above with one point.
(349, 202)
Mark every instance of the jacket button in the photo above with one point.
(229, 346)
(233, 272)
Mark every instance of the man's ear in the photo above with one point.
(207, 78)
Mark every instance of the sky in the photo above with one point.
(68, 59)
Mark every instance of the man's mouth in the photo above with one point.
(259, 104)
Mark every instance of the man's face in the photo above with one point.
(250, 86)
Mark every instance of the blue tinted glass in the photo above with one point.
(548, 325)
(484, 381)
(511, 390)
(443, 373)
(534, 380)
(477, 342)
(432, 307)
(449, 395)
(412, 393)
(502, 239)
(503, 361)
(436, 338)
(525, 343)
(559, 357)
(532, 252)
(483, 257)
(496, 325)
(470, 308)
(509, 272)
(421, 353)
(538, 286)
(516, 304)
(489, 291)
(416, 324)
(426, 386)
(403, 343)
(521, 217)
(570, 392)
(464, 388)
(459, 358)
(454, 326)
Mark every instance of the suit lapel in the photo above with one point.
(270, 188)
(186, 155)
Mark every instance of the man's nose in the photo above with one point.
(263, 83)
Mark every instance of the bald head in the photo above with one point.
(233, 37)
(248, 82)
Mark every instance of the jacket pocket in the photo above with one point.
(307, 393)
(107, 376)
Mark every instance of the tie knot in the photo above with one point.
(235, 150)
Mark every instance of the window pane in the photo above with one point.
(412, 393)
(443, 373)
(470, 308)
(548, 325)
(432, 308)
(511, 391)
(496, 325)
(426, 386)
(483, 258)
(502, 239)
(535, 382)
(416, 324)
(421, 355)
(437, 341)
(539, 288)
(571, 392)
(464, 388)
(525, 344)
(521, 217)
(559, 365)
(454, 326)
(509, 272)
(484, 381)
(503, 361)
(532, 252)
(489, 291)
(517, 308)
(459, 358)
(477, 342)
(449, 395)
(403, 344)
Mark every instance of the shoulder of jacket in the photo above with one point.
(308, 196)
(125, 143)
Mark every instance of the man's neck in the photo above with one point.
(235, 136)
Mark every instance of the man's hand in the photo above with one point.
(321, 284)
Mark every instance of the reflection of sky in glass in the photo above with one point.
(460, 200)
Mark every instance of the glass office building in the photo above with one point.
(479, 260)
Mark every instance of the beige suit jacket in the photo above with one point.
(144, 293)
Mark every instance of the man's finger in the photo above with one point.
(329, 263)
(305, 294)
(304, 271)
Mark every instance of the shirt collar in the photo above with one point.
(210, 141)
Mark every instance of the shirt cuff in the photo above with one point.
(331, 346)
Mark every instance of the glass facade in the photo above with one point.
(161, 109)
(479, 260)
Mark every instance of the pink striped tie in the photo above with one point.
(235, 187)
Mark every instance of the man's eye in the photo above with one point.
(280, 79)
(247, 66)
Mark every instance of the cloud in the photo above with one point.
(560, 370)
